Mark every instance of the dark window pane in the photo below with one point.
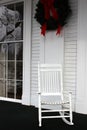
(2, 54)
(19, 89)
(10, 87)
(3, 51)
(12, 15)
(10, 36)
(11, 51)
(19, 53)
(11, 70)
(19, 8)
(10, 6)
(10, 26)
(19, 70)
(2, 88)
(18, 32)
(2, 69)
(21, 31)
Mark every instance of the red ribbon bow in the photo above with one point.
(49, 11)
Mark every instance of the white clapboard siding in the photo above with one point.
(70, 52)
(35, 50)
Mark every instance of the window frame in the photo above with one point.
(26, 52)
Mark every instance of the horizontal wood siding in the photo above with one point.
(70, 52)
(35, 50)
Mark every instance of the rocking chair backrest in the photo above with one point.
(50, 80)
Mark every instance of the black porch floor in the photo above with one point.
(14, 116)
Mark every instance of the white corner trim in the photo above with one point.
(81, 90)
(27, 52)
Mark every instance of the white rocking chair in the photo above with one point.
(50, 83)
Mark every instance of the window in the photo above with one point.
(11, 50)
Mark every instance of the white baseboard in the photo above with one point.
(10, 99)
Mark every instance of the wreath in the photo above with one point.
(52, 14)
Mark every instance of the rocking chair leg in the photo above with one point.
(70, 110)
(71, 117)
(65, 120)
(40, 123)
(40, 110)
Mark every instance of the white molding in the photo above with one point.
(27, 53)
(81, 90)
(10, 99)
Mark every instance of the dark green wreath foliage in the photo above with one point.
(63, 10)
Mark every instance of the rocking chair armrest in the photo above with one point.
(69, 93)
(68, 96)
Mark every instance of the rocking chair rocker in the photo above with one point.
(50, 84)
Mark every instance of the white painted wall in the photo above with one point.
(81, 92)
(52, 48)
